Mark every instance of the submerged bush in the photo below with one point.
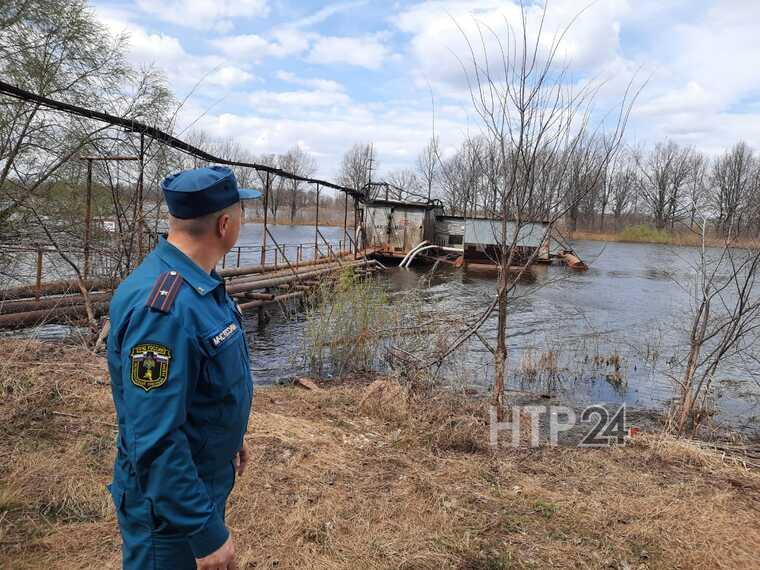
(342, 324)
(354, 325)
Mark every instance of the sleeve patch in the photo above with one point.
(150, 365)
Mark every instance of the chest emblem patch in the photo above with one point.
(150, 365)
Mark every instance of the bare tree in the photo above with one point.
(665, 171)
(697, 187)
(624, 185)
(357, 166)
(534, 120)
(733, 175)
(300, 163)
(460, 177)
(428, 163)
(276, 184)
(403, 183)
(57, 49)
(725, 320)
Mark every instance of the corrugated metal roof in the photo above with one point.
(488, 232)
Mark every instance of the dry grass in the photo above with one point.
(357, 477)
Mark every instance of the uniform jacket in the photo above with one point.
(182, 388)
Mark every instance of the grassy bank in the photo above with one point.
(352, 476)
(648, 234)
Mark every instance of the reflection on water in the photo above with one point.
(606, 335)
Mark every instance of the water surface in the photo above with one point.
(614, 330)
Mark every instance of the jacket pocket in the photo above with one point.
(132, 509)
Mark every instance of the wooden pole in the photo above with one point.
(266, 209)
(140, 182)
(356, 225)
(262, 269)
(243, 286)
(87, 220)
(29, 318)
(27, 305)
(345, 213)
(316, 226)
(38, 282)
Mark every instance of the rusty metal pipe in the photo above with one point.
(54, 288)
(252, 269)
(26, 305)
(31, 318)
(249, 285)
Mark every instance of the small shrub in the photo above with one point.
(342, 324)
(354, 325)
(645, 234)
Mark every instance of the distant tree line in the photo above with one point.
(669, 186)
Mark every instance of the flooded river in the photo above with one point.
(610, 333)
(607, 335)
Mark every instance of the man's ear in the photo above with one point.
(222, 225)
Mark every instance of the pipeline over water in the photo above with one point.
(253, 287)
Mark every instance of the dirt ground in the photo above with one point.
(348, 477)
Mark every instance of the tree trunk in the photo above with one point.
(500, 357)
(573, 226)
(685, 410)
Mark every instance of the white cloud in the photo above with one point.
(228, 75)
(702, 79)
(322, 93)
(284, 101)
(166, 52)
(366, 51)
(243, 46)
(440, 31)
(328, 131)
(218, 15)
(252, 47)
(316, 83)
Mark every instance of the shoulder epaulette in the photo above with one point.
(165, 291)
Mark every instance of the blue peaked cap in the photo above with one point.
(195, 193)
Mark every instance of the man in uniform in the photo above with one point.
(181, 383)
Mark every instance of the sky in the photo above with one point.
(273, 74)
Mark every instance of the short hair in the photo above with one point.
(203, 225)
